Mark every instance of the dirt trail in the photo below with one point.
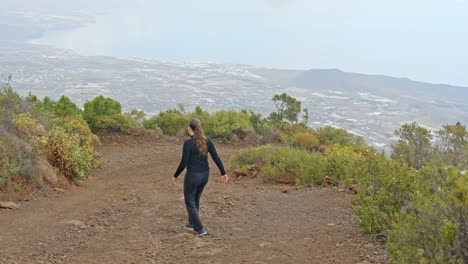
(130, 212)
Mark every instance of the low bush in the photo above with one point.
(343, 163)
(135, 118)
(283, 164)
(330, 136)
(250, 156)
(306, 140)
(18, 158)
(115, 123)
(171, 122)
(72, 149)
(384, 187)
(259, 124)
(105, 115)
(220, 124)
(273, 136)
(223, 123)
(150, 123)
(33, 131)
(433, 228)
(297, 166)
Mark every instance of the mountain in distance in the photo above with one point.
(437, 100)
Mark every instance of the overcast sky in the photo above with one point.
(425, 40)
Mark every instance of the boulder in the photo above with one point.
(136, 131)
(8, 205)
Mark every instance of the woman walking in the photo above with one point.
(195, 158)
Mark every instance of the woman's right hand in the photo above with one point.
(224, 178)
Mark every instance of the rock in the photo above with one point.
(290, 180)
(369, 245)
(184, 235)
(272, 136)
(8, 205)
(353, 189)
(58, 190)
(211, 251)
(239, 173)
(76, 223)
(50, 174)
(249, 136)
(264, 244)
(155, 133)
(199, 243)
(137, 131)
(234, 138)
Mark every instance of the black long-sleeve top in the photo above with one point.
(195, 161)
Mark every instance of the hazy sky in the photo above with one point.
(425, 40)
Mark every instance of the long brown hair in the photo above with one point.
(199, 137)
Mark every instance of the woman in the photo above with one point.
(195, 158)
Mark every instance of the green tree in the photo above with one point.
(330, 136)
(172, 122)
(305, 116)
(224, 122)
(413, 145)
(453, 144)
(65, 107)
(203, 115)
(48, 104)
(259, 124)
(135, 117)
(104, 114)
(288, 109)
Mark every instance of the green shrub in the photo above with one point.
(72, 149)
(21, 137)
(452, 145)
(203, 115)
(77, 125)
(384, 186)
(65, 107)
(250, 156)
(135, 118)
(413, 145)
(307, 168)
(259, 124)
(105, 114)
(172, 122)
(433, 228)
(223, 123)
(17, 158)
(115, 123)
(343, 164)
(61, 108)
(330, 136)
(32, 131)
(150, 123)
(27, 128)
(280, 163)
(306, 140)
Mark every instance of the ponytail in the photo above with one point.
(199, 137)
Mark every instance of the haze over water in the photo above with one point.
(422, 40)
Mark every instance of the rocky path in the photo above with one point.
(129, 212)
